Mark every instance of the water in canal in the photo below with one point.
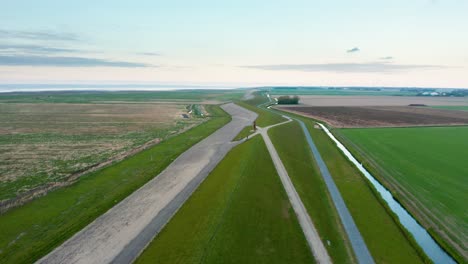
(422, 237)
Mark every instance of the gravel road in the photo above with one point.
(121, 233)
(311, 234)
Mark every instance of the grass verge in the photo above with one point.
(31, 231)
(265, 118)
(246, 131)
(290, 142)
(239, 214)
(385, 238)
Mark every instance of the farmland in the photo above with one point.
(182, 96)
(239, 214)
(337, 100)
(30, 231)
(426, 167)
(45, 143)
(381, 116)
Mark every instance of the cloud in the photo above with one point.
(38, 35)
(355, 49)
(371, 67)
(32, 49)
(26, 60)
(148, 53)
(386, 58)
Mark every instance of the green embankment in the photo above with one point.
(246, 131)
(429, 163)
(290, 142)
(239, 214)
(265, 118)
(30, 231)
(385, 238)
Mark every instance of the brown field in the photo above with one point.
(333, 100)
(48, 142)
(387, 116)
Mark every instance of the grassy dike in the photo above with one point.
(385, 238)
(290, 142)
(265, 118)
(239, 214)
(31, 231)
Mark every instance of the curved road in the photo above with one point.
(357, 242)
(121, 233)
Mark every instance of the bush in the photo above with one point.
(288, 100)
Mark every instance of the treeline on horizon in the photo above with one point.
(288, 99)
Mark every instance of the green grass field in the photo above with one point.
(386, 240)
(452, 107)
(265, 118)
(246, 131)
(119, 96)
(239, 214)
(430, 163)
(290, 142)
(31, 231)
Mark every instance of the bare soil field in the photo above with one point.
(388, 116)
(334, 100)
(46, 143)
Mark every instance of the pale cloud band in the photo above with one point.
(372, 67)
(48, 61)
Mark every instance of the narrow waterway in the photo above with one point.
(422, 237)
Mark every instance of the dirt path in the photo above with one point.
(311, 234)
(124, 231)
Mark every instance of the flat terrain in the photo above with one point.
(460, 108)
(428, 168)
(290, 142)
(121, 232)
(45, 143)
(381, 116)
(183, 96)
(31, 231)
(337, 100)
(239, 214)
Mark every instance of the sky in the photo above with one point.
(402, 43)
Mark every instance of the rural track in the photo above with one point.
(310, 232)
(357, 242)
(122, 233)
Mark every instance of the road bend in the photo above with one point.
(310, 232)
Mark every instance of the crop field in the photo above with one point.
(460, 108)
(427, 167)
(197, 96)
(34, 229)
(239, 214)
(382, 116)
(45, 143)
(337, 100)
(290, 142)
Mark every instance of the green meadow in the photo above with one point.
(239, 214)
(430, 164)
